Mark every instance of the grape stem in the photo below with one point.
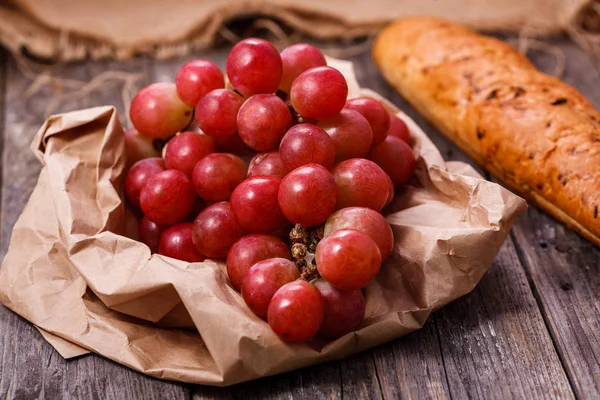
(304, 245)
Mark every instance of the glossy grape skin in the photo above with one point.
(138, 146)
(344, 310)
(267, 164)
(296, 59)
(296, 311)
(216, 112)
(399, 129)
(351, 134)
(319, 93)
(158, 112)
(149, 233)
(263, 280)
(196, 78)
(396, 158)
(249, 250)
(348, 259)
(215, 231)
(186, 149)
(254, 66)
(367, 221)
(139, 174)
(168, 197)
(176, 242)
(255, 206)
(360, 183)
(306, 144)
(308, 195)
(262, 121)
(232, 144)
(391, 190)
(375, 113)
(217, 175)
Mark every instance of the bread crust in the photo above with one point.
(538, 135)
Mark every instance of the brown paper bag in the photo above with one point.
(72, 272)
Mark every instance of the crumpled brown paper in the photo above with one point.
(71, 271)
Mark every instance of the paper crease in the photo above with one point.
(179, 321)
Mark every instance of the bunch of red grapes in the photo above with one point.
(300, 227)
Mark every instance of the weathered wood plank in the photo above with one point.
(30, 366)
(497, 328)
(563, 268)
(494, 340)
(564, 271)
(414, 368)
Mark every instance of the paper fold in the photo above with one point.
(73, 272)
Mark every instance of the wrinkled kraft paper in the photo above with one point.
(72, 270)
(68, 30)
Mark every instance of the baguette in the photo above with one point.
(538, 135)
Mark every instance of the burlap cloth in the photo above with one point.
(68, 30)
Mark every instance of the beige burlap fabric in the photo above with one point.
(67, 30)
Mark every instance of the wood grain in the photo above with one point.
(493, 342)
(564, 269)
(565, 273)
(30, 367)
(497, 329)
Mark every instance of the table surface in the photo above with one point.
(530, 329)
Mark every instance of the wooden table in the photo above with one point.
(531, 328)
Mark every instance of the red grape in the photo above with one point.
(186, 149)
(158, 112)
(215, 231)
(168, 197)
(396, 158)
(176, 242)
(262, 121)
(232, 144)
(266, 164)
(399, 129)
(375, 113)
(296, 59)
(308, 195)
(139, 146)
(217, 175)
(319, 93)
(216, 112)
(139, 174)
(360, 183)
(150, 234)
(351, 134)
(255, 207)
(367, 221)
(296, 311)
(254, 66)
(263, 280)
(348, 259)
(306, 144)
(196, 78)
(391, 190)
(344, 310)
(248, 251)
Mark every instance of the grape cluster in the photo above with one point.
(285, 181)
